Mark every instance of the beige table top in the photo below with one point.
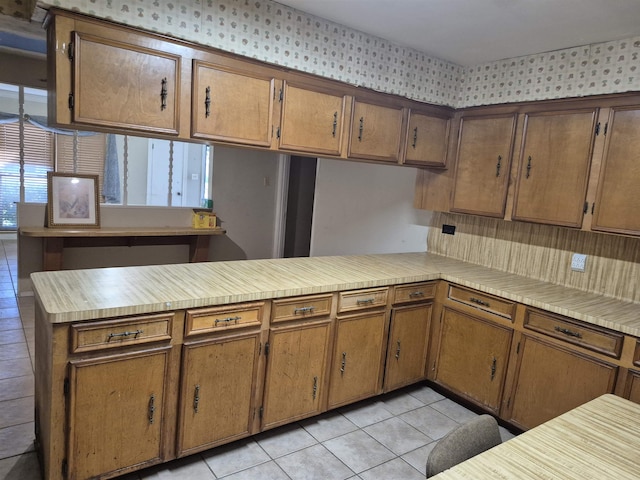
(106, 292)
(599, 440)
(45, 232)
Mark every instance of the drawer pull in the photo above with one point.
(568, 332)
(493, 368)
(366, 301)
(163, 94)
(303, 310)
(479, 302)
(152, 408)
(398, 351)
(196, 398)
(124, 334)
(343, 363)
(417, 293)
(315, 387)
(227, 320)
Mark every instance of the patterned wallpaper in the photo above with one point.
(274, 33)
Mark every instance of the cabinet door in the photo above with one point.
(231, 106)
(116, 410)
(483, 163)
(472, 357)
(375, 132)
(311, 121)
(551, 380)
(427, 140)
(357, 359)
(217, 391)
(408, 342)
(125, 86)
(617, 200)
(632, 391)
(554, 167)
(296, 366)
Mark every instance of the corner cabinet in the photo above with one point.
(485, 146)
(617, 201)
(376, 132)
(554, 167)
(231, 106)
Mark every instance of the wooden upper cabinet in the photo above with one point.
(617, 201)
(231, 106)
(554, 167)
(485, 145)
(376, 132)
(123, 85)
(311, 121)
(427, 140)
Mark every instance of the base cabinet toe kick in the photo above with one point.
(116, 395)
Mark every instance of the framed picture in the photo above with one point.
(72, 200)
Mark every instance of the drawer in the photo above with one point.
(577, 333)
(227, 317)
(297, 308)
(91, 336)
(361, 299)
(636, 356)
(489, 303)
(414, 292)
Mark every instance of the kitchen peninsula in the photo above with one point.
(159, 362)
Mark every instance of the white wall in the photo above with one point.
(366, 208)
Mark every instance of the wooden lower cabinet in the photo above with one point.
(296, 364)
(217, 391)
(632, 390)
(116, 413)
(356, 366)
(552, 379)
(408, 343)
(472, 357)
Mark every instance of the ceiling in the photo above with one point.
(471, 32)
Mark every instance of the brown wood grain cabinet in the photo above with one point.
(617, 202)
(554, 165)
(376, 132)
(485, 145)
(230, 105)
(632, 390)
(427, 140)
(312, 121)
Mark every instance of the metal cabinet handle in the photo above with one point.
(315, 387)
(343, 363)
(163, 94)
(499, 165)
(196, 398)
(152, 408)
(415, 137)
(365, 301)
(528, 167)
(124, 334)
(335, 124)
(227, 320)
(417, 293)
(207, 102)
(479, 302)
(398, 350)
(361, 129)
(303, 310)
(493, 368)
(568, 332)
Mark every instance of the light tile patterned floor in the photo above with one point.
(388, 437)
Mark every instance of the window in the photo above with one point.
(132, 170)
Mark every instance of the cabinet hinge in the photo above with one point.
(517, 351)
(586, 208)
(606, 127)
(278, 133)
(65, 468)
(597, 128)
(71, 101)
(70, 52)
(65, 387)
(266, 349)
(260, 412)
(281, 95)
(593, 207)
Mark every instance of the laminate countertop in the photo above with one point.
(74, 295)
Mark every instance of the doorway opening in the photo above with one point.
(300, 197)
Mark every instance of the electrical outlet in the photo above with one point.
(448, 229)
(578, 262)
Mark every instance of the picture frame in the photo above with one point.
(72, 200)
